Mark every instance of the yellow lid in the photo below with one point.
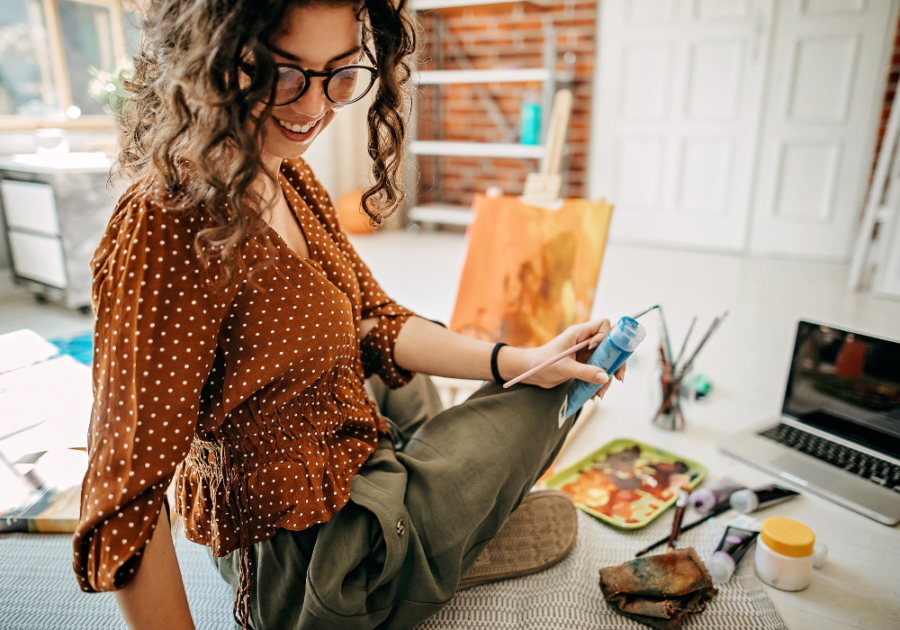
(787, 537)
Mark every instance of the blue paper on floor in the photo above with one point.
(79, 347)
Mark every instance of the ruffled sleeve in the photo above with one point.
(377, 347)
(158, 317)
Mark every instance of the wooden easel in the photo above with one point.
(545, 187)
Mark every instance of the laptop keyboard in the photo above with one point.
(866, 466)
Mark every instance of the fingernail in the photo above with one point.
(602, 377)
(592, 345)
(623, 378)
(602, 394)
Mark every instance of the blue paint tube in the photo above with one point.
(609, 356)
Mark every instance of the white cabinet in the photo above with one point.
(56, 208)
(738, 125)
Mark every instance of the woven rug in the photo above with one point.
(38, 589)
(567, 596)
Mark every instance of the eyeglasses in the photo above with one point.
(343, 85)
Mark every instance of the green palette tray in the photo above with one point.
(626, 483)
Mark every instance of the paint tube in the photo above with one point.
(708, 498)
(747, 501)
(735, 543)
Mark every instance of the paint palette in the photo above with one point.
(626, 483)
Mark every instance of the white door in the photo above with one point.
(825, 92)
(676, 114)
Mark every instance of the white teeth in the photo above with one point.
(297, 128)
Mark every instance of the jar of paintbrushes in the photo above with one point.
(673, 370)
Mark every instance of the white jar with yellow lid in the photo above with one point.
(784, 554)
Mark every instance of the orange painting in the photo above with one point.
(530, 271)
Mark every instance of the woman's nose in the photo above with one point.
(314, 103)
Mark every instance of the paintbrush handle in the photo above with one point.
(684, 344)
(548, 363)
(690, 362)
(676, 526)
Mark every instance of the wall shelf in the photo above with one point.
(451, 51)
(499, 75)
(441, 213)
(476, 149)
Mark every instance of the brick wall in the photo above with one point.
(512, 35)
(499, 36)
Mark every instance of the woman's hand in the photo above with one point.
(573, 366)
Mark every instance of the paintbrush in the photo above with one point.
(662, 541)
(563, 355)
(667, 355)
(684, 343)
(690, 362)
(684, 493)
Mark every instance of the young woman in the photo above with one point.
(236, 327)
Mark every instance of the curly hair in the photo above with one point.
(185, 102)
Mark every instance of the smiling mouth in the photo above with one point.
(298, 128)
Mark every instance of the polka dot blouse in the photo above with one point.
(251, 397)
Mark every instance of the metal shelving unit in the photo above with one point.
(547, 75)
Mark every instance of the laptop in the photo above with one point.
(839, 431)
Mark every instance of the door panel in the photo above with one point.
(825, 85)
(676, 114)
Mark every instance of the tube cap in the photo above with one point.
(703, 500)
(820, 555)
(721, 567)
(627, 334)
(788, 537)
(744, 501)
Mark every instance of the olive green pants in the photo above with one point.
(421, 510)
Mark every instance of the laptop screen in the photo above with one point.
(845, 383)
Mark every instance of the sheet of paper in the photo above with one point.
(45, 406)
(24, 347)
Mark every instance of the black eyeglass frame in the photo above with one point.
(327, 75)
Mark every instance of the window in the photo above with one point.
(26, 77)
(51, 52)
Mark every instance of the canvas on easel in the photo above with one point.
(530, 271)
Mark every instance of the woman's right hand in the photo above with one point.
(569, 367)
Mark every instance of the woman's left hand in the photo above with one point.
(573, 366)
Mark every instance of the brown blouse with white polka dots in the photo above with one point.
(252, 397)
